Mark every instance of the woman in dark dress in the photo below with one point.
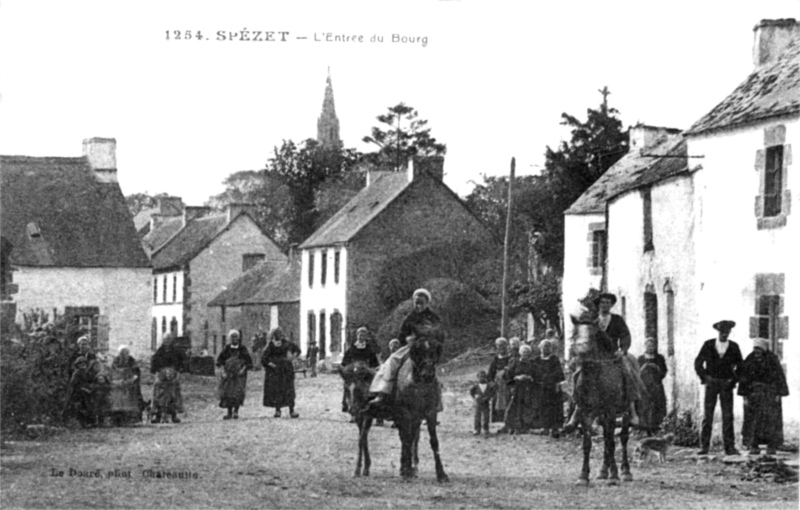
(360, 351)
(496, 373)
(653, 404)
(279, 373)
(235, 361)
(167, 363)
(762, 383)
(548, 403)
(520, 376)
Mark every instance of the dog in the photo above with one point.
(147, 411)
(657, 445)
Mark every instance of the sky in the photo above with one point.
(491, 77)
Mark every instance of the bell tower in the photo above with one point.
(328, 123)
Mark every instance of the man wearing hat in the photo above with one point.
(717, 365)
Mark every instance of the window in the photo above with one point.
(336, 259)
(647, 216)
(670, 322)
(598, 248)
(173, 326)
(769, 321)
(251, 259)
(772, 162)
(322, 339)
(86, 318)
(163, 326)
(336, 331)
(312, 327)
(651, 316)
(164, 297)
(310, 269)
(222, 314)
(773, 177)
(323, 272)
(155, 290)
(174, 288)
(154, 334)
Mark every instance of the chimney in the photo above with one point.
(191, 212)
(234, 209)
(771, 37)
(101, 153)
(292, 252)
(642, 137)
(420, 165)
(170, 206)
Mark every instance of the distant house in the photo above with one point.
(70, 246)
(396, 214)
(165, 207)
(699, 227)
(265, 297)
(194, 257)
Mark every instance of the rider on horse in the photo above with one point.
(613, 337)
(421, 327)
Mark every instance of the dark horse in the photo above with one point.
(416, 400)
(600, 394)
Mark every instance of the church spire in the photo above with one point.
(328, 123)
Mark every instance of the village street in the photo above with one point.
(262, 462)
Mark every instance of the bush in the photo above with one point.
(683, 427)
(467, 319)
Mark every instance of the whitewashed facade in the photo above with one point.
(323, 297)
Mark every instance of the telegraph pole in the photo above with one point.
(504, 291)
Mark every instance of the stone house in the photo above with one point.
(263, 298)
(70, 246)
(194, 256)
(684, 248)
(396, 214)
(167, 206)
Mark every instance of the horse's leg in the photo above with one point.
(440, 474)
(361, 441)
(586, 432)
(623, 439)
(406, 440)
(610, 444)
(365, 439)
(603, 475)
(415, 450)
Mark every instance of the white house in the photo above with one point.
(73, 246)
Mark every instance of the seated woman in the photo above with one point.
(235, 361)
(279, 373)
(421, 325)
(359, 351)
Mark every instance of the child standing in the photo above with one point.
(482, 394)
(311, 357)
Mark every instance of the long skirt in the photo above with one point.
(279, 385)
(500, 401)
(232, 384)
(520, 413)
(167, 391)
(634, 387)
(652, 408)
(763, 418)
(548, 406)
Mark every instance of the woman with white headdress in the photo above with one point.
(234, 361)
(422, 324)
(547, 399)
(126, 390)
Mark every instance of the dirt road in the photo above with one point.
(262, 462)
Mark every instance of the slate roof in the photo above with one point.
(156, 238)
(188, 241)
(634, 170)
(772, 90)
(142, 218)
(268, 282)
(81, 222)
(359, 211)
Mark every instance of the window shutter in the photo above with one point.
(783, 328)
(753, 327)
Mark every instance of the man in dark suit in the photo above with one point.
(717, 365)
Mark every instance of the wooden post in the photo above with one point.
(504, 290)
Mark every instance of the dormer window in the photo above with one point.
(34, 232)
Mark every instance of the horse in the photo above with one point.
(600, 394)
(357, 379)
(417, 399)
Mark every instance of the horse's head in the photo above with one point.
(425, 355)
(584, 331)
(357, 379)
